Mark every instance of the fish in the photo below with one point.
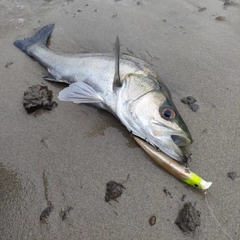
(175, 168)
(122, 84)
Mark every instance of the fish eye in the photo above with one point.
(168, 113)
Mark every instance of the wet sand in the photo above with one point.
(61, 160)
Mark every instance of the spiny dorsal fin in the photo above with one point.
(116, 80)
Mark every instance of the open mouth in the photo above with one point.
(181, 141)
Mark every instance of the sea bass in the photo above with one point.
(123, 85)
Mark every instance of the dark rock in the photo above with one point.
(201, 9)
(220, 18)
(232, 175)
(114, 190)
(46, 213)
(188, 100)
(152, 220)
(188, 218)
(191, 102)
(194, 107)
(36, 97)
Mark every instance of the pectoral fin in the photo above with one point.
(79, 92)
(116, 81)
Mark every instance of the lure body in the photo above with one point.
(175, 168)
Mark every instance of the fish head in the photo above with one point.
(157, 120)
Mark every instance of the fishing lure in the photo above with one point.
(175, 168)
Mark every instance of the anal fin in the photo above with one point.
(79, 92)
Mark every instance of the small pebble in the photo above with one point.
(232, 175)
(201, 9)
(152, 220)
(220, 18)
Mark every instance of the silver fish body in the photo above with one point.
(94, 69)
(125, 86)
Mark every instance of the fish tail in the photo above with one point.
(40, 37)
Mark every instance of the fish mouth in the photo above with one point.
(181, 141)
(180, 138)
(172, 147)
(171, 141)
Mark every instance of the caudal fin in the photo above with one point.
(40, 37)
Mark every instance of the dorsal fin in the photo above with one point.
(116, 80)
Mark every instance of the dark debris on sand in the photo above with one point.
(114, 190)
(202, 9)
(152, 220)
(38, 96)
(188, 218)
(220, 18)
(191, 102)
(232, 175)
(167, 193)
(8, 64)
(64, 213)
(46, 213)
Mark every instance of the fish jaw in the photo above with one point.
(169, 147)
(169, 140)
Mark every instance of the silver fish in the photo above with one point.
(123, 85)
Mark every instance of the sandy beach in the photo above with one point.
(61, 160)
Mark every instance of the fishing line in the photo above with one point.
(214, 217)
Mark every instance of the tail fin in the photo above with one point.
(40, 37)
